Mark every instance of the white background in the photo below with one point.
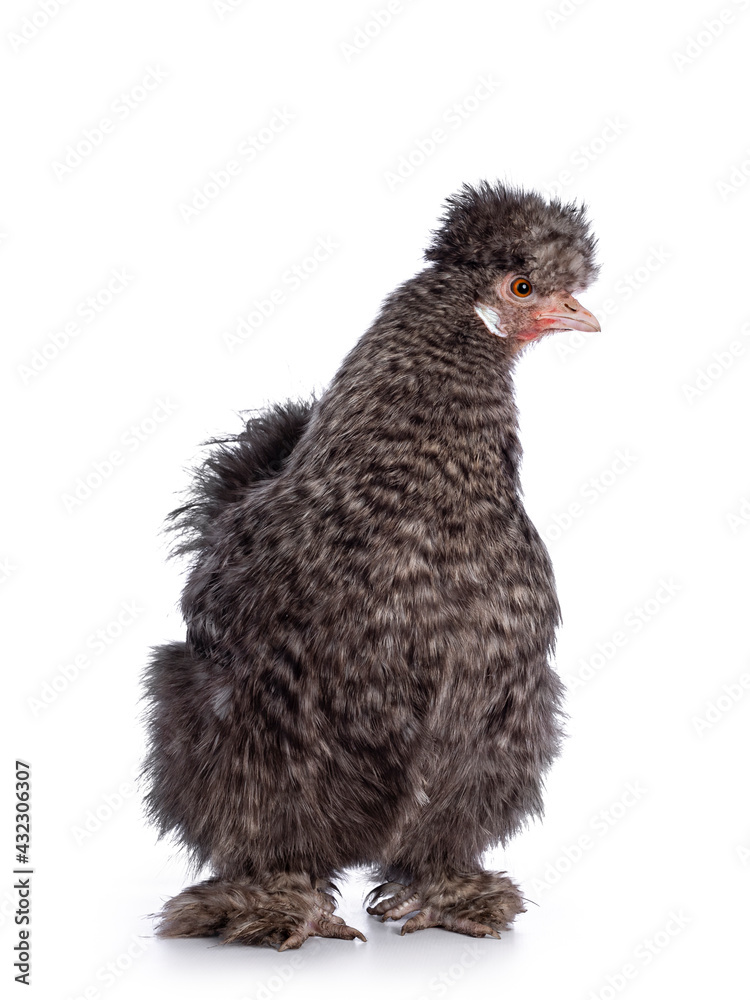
(641, 867)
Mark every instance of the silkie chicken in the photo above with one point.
(365, 679)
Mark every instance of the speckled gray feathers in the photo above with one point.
(365, 678)
(503, 227)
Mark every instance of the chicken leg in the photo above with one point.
(474, 903)
(284, 910)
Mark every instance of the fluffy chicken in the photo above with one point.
(366, 679)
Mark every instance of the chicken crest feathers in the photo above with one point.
(503, 227)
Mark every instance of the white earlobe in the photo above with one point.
(490, 319)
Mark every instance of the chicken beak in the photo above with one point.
(566, 313)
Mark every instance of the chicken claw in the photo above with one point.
(475, 903)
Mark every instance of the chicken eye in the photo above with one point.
(521, 287)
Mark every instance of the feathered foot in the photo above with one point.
(476, 903)
(283, 911)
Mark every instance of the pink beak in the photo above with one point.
(561, 312)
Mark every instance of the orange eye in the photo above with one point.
(521, 287)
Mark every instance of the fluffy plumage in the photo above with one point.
(507, 229)
(365, 678)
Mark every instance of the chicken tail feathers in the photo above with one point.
(236, 464)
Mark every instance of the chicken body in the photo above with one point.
(370, 614)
